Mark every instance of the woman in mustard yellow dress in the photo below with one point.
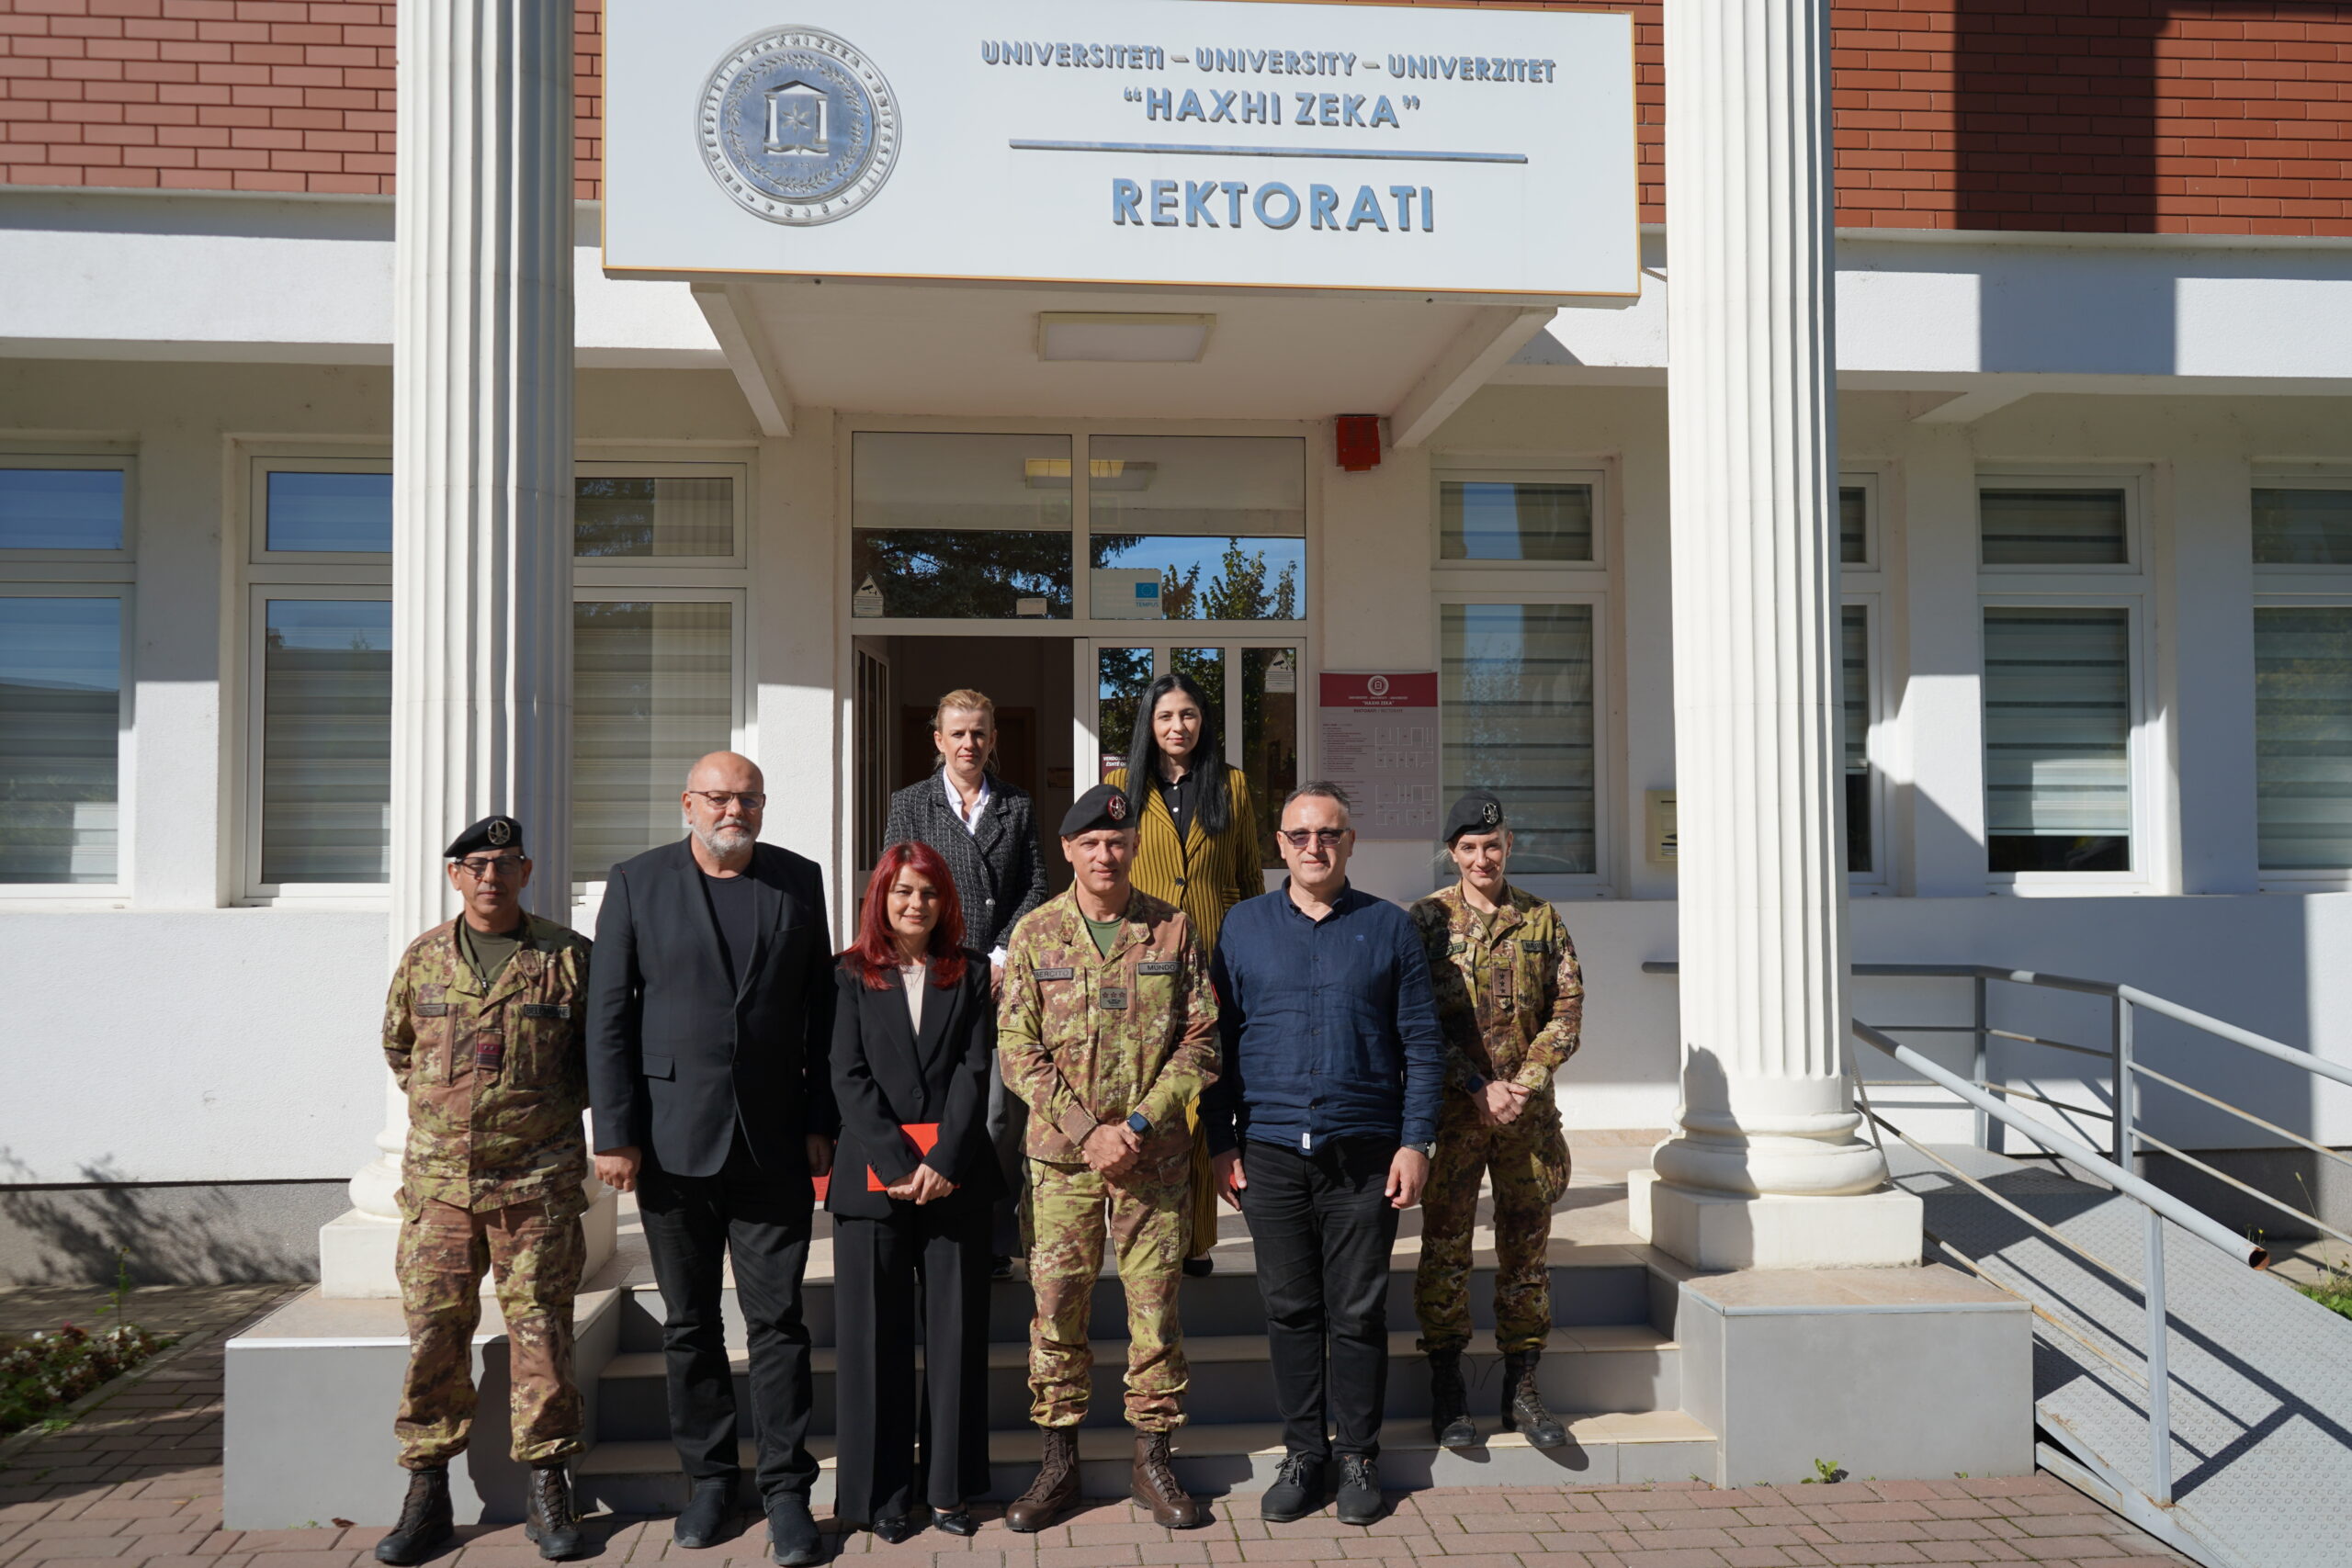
(1197, 849)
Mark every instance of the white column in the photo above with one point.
(1769, 1169)
(481, 488)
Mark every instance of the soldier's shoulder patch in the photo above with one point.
(1160, 966)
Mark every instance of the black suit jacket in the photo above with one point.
(884, 1076)
(999, 876)
(677, 1057)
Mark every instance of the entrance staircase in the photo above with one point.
(1612, 1371)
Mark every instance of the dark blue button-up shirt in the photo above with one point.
(1327, 1026)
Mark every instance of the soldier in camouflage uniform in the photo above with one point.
(483, 1031)
(1107, 1031)
(1511, 1001)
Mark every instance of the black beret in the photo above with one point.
(1102, 807)
(1476, 812)
(490, 833)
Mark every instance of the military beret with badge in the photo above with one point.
(1103, 806)
(1479, 811)
(492, 833)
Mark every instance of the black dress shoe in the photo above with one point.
(700, 1522)
(1298, 1491)
(895, 1528)
(1360, 1498)
(793, 1540)
(957, 1521)
(1200, 1267)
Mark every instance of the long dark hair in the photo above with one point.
(875, 951)
(1215, 809)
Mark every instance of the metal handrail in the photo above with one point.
(2157, 1204)
(1988, 1101)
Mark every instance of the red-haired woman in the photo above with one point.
(914, 1031)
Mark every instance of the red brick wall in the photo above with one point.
(2154, 115)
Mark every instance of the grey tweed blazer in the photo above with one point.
(999, 875)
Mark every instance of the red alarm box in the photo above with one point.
(1359, 442)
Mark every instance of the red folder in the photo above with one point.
(924, 1136)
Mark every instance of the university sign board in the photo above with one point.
(1180, 143)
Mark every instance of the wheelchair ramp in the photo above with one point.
(2261, 1376)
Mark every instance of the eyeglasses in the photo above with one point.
(1299, 837)
(750, 799)
(505, 865)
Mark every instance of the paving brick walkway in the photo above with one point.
(138, 1479)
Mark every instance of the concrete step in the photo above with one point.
(1608, 1367)
(1214, 1460)
(1592, 1286)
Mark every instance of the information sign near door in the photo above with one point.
(1380, 744)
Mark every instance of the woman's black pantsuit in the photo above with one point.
(908, 1275)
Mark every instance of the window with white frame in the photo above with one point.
(657, 646)
(1521, 557)
(318, 741)
(2302, 686)
(2062, 579)
(64, 599)
(1858, 707)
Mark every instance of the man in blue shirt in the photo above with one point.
(1322, 1123)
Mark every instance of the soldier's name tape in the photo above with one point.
(530, 1010)
(1162, 966)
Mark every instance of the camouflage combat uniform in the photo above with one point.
(1511, 1001)
(491, 1179)
(1087, 1039)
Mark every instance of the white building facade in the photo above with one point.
(2075, 583)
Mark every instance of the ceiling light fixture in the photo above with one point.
(1123, 338)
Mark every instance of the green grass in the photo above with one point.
(2334, 1292)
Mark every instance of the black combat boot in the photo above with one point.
(425, 1522)
(1450, 1420)
(1055, 1490)
(1523, 1409)
(551, 1518)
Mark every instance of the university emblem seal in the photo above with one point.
(798, 127)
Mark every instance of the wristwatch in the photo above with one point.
(1427, 1151)
(1138, 1124)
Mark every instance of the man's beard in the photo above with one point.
(723, 843)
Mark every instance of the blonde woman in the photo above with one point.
(986, 830)
(1197, 850)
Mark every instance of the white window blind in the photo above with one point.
(653, 688)
(61, 708)
(1514, 520)
(639, 518)
(2054, 527)
(2302, 527)
(2057, 738)
(1854, 724)
(2302, 716)
(326, 741)
(1517, 704)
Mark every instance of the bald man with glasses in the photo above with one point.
(709, 1023)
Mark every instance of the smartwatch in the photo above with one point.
(1138, 1124)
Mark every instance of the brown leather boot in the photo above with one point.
(1055, 1490)
(1154, 1485)
(552, 1518)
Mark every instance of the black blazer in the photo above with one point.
(884, 1076)
(676, 1059)
(999, 876)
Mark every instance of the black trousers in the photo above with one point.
(919, 1277)
(1323, 1231)
(691, 1223)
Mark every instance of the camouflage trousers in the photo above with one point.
(443, 1252)
(1527, 1163)
(1146, 1217)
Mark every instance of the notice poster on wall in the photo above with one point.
(1379, 734)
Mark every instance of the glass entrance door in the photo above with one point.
(1253, 687)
